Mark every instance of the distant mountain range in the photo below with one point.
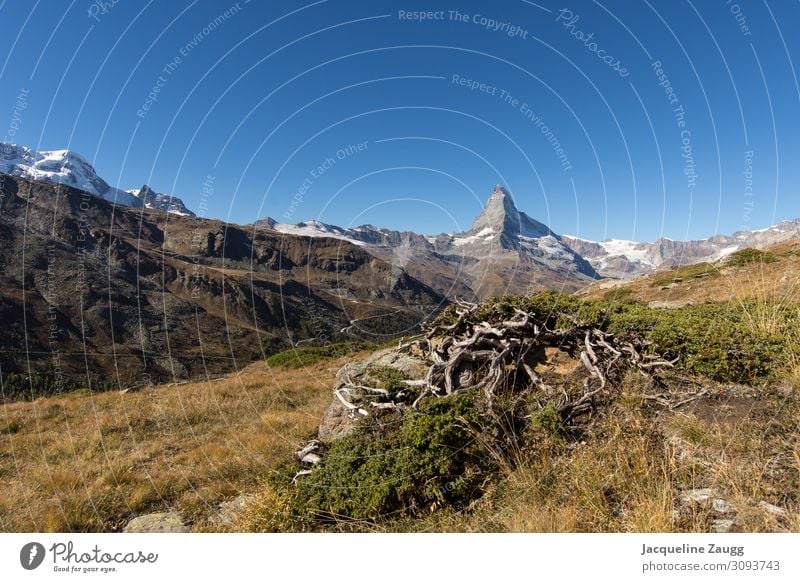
(505, 250)
(624, 259)
(146, 291)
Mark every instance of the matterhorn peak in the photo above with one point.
(500, 196)
(500, 214)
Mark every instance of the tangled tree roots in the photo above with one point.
(492, 356)
(499, 354)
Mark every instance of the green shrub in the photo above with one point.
(685, 273)
(548, 419)
(388, 378)
(749, 256)
(432, 457)
(717, 340)
(712, 339)
(308, 356)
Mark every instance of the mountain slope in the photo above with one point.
(137, 297)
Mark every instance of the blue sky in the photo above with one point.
(269, 102)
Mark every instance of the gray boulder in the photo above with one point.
(338, 421)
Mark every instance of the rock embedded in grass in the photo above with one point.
(164, 522)
(338, 420)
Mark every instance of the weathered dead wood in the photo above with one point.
(310, 459)
(308, 448)
(299, 474)
(339, 393)
(494, 354)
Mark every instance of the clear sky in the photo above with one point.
(608, 119)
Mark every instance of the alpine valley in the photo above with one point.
(132, 285)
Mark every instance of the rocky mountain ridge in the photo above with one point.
(623, 259)
(504, 251)
(505, 244)
(165, 202)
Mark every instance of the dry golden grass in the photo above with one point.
(86, 462)
(768, 295)
(620, 481)
(269, 510)
(90, 462)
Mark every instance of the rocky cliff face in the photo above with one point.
(164, 202)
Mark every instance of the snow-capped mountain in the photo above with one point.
(312, 228)
(365, 235)
(165, 202)
(625, 259)
(500, 228)
(505, 251)
(69, 168)
(59, 167)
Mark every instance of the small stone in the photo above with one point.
(721, 506)
(722, 525)
(230, 510)
(773, 509)
(167, 522)
(697, 495)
